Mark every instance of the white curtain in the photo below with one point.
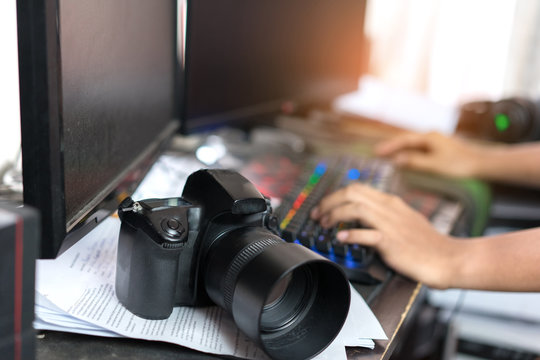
(456, 50)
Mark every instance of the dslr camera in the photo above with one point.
(218, 244)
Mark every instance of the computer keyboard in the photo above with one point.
(323, 176)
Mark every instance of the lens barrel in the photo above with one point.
(291, 301)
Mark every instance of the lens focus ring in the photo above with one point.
(238, 263)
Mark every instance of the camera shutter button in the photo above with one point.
(172, 227)
(173, 224)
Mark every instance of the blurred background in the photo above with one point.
(10, 136)
(449, 51)
(455, 50)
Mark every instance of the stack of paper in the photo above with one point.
(75, 293)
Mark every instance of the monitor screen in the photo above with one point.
(245, 59)
(97, 104)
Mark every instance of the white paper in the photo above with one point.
(76, 293)
(167, 177)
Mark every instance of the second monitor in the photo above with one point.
(247, 59)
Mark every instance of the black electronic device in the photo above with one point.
(19, 239)
(247, 61)
(97, 105)
(509, 120)
(218, 244)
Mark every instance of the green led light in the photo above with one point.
(502, 122)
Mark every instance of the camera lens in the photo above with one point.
(288, 299)
(277, 293)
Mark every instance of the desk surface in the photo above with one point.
(393, 306)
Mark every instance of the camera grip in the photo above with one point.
(144, 269)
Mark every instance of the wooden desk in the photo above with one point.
(396, 305)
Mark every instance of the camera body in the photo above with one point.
(162, 242)
(219, 244)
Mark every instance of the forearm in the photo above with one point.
(508, 262)
(514, 164)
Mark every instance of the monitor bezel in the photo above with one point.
(40, 86)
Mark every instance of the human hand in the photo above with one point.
(433, 152)
(404, 238)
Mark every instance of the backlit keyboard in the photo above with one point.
(324, 176)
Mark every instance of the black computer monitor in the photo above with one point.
(250, 59)
(97, 105)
